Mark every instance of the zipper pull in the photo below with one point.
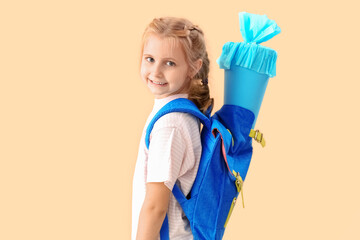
(230, 211)
(239, 185)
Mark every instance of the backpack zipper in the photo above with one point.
(239, 185)
(230, 211)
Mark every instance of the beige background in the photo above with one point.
(73, 107)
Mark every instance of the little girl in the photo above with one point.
(174, 64)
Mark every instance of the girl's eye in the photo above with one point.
(170, 63)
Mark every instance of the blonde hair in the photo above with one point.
(191, 38)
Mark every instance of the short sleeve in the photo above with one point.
(165, 157)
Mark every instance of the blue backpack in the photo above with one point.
(226, 139)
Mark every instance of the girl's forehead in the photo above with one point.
(167, 46)
(170, 41)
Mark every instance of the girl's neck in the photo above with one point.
(171, 97)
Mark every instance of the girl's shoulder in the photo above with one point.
(179, 120)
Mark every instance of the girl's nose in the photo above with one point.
(156, 70)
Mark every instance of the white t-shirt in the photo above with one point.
(173, 157)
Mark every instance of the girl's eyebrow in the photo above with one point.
(165, 58)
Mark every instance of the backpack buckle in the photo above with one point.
(256, 136)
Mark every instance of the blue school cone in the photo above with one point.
(247, 64)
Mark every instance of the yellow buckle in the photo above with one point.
(256, 135)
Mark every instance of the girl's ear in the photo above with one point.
(198, 65)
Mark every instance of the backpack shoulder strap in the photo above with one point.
(177, 105)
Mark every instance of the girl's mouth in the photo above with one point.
(157, 83)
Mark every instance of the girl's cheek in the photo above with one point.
(143, 70)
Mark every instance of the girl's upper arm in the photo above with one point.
(157, 196)
(166, 153)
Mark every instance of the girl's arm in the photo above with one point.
(153, 211)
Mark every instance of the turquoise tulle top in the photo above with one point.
(254, 29)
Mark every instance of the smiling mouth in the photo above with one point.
(157, 83)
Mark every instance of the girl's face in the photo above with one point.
(163, 67)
